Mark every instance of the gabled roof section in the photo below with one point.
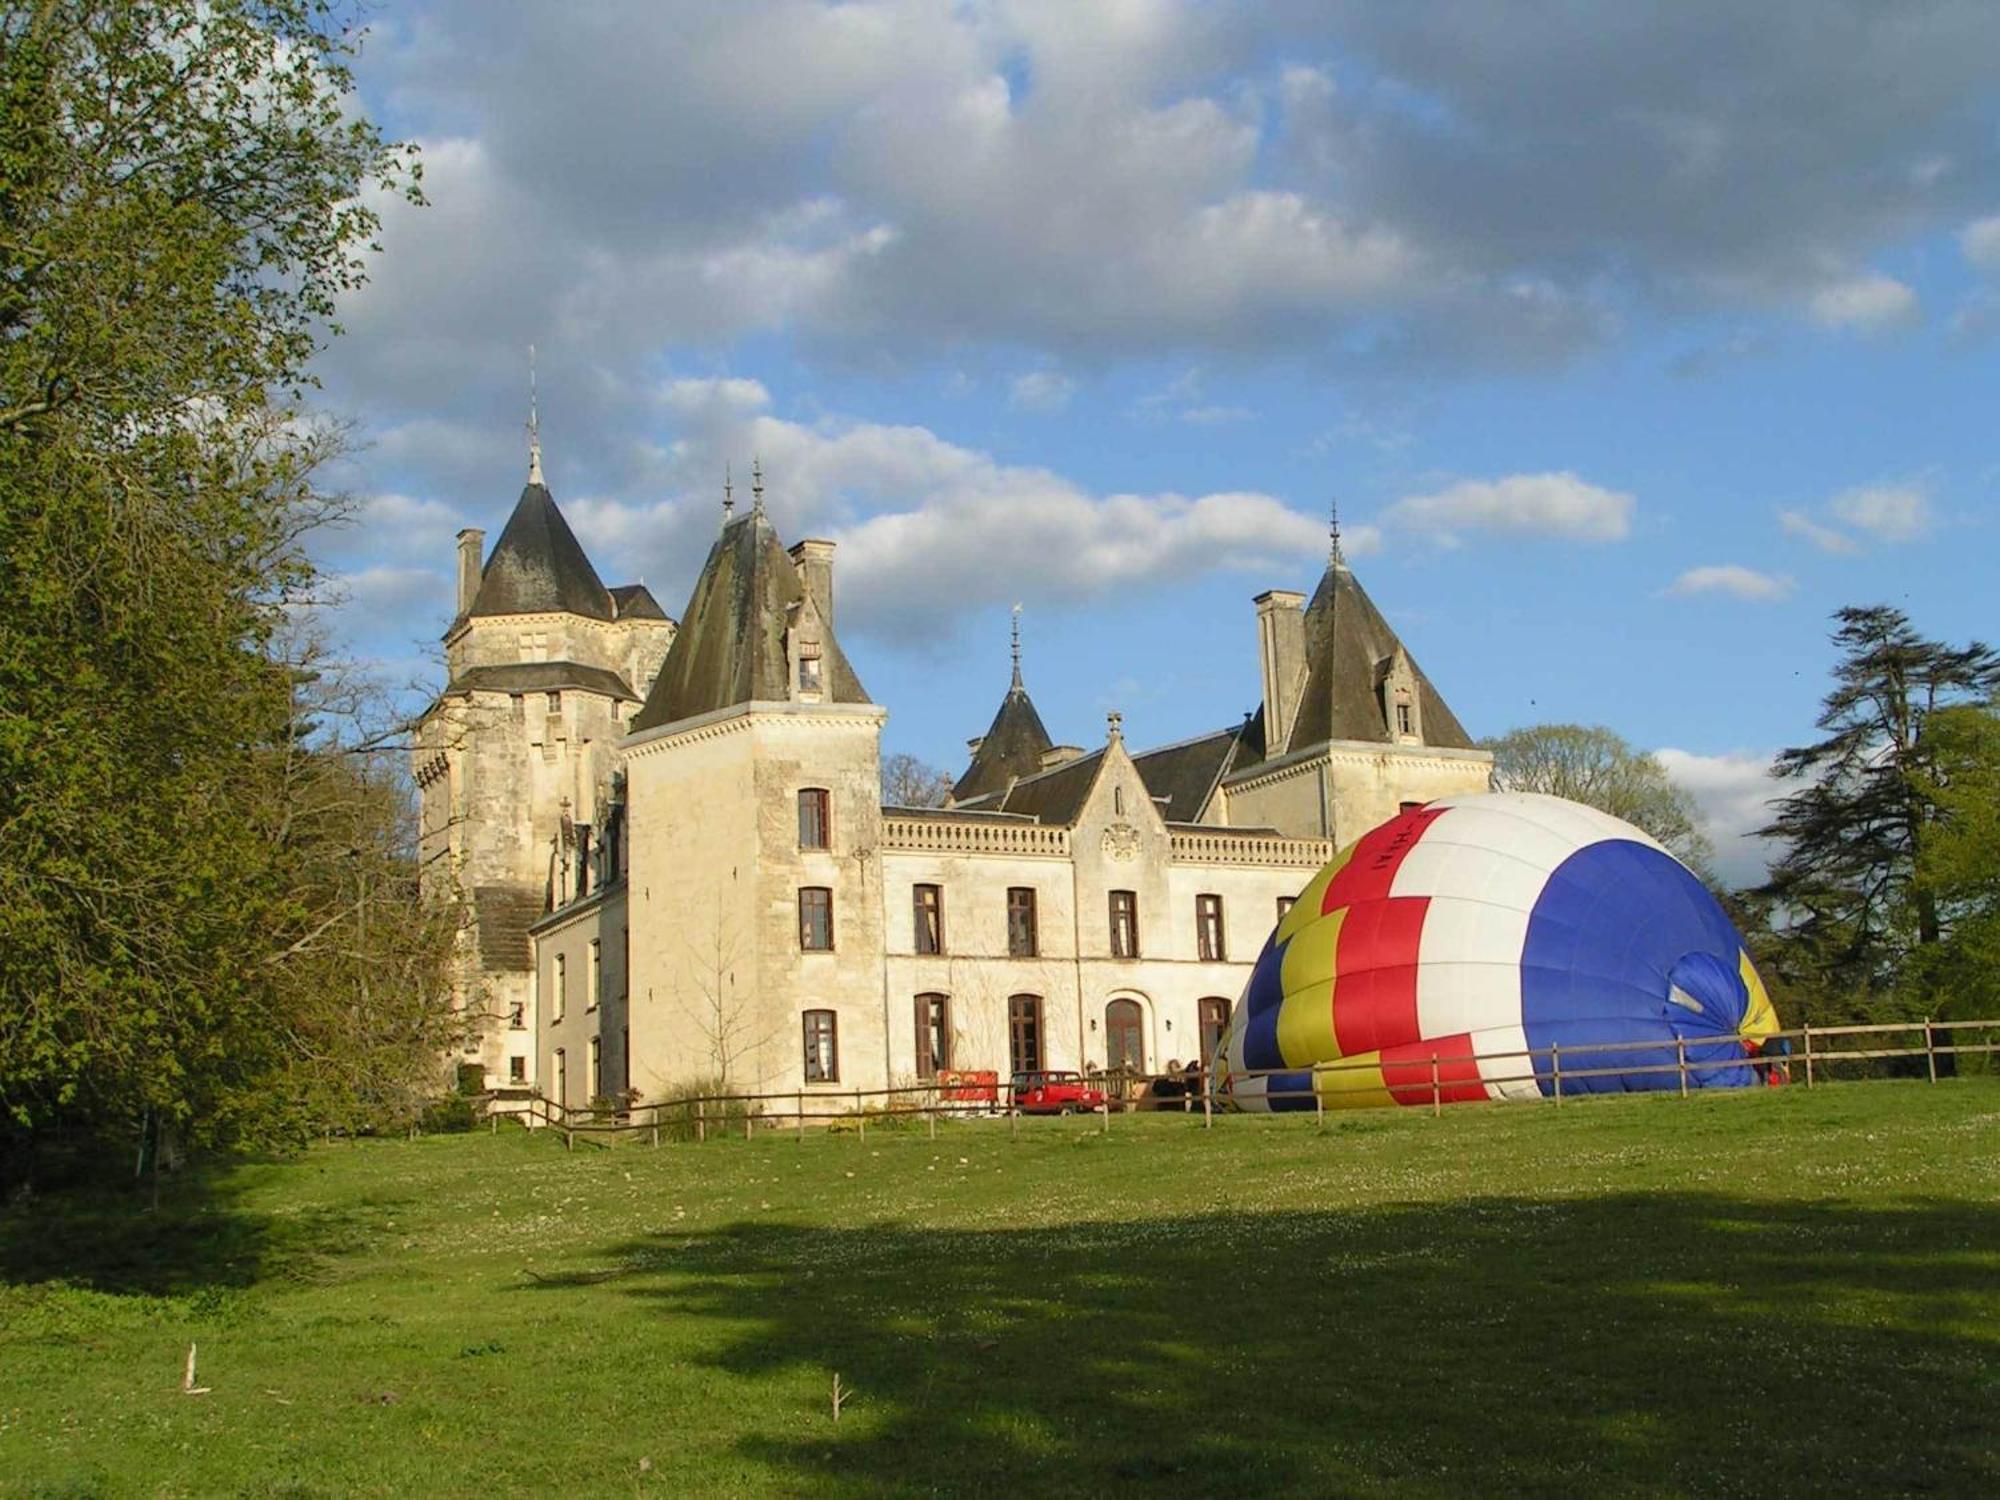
(538, 567)
(730, 647)
(1181, 778)
(1347, 644)
(1055, 797)
(634, 601)
(1012, 749)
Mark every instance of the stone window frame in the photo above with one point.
(820, 800)
(927, 936)
(1211, 937)
(1024, 936)
(815, 900)
(819, 1036)
(1124, 923)
(933, 1017)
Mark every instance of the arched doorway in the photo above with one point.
(1214, 1016)
(1124, 1037)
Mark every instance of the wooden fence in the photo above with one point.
(1815, 1053)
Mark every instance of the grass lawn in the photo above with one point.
(1785, 1291)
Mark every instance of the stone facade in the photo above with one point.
(722, 897)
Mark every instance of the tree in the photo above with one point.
(1868, 800)
(1591, 764)
(181, 203)
(1958, 860)
(909, 782)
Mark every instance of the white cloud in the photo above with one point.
(1889, 513)
(1733, 579)
(1871, 303)
(1556, 505)
(1732, 795)
(1979, 242)
(1826, 538)
(1041, 390)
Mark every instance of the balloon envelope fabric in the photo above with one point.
(1491, 933)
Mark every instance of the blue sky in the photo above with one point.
(1632, 340)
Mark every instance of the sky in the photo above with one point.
(1630, 341)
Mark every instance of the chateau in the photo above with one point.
(679, 868)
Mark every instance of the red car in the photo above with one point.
(1055, 1094)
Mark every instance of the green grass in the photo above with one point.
(1779, 1292)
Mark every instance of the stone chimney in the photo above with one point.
(471, 543)
(1060, 755)
(814, 560)
(1281, 651)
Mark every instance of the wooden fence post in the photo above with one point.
(1930, 1049)
(1207, 1106)
(860, 1115)
(1681, 1051)
(700, 1121)
(1319, 1104)
(1437, 1100)
(799, 1113)
(931, 1098)
(1013, 1116)
(1105, 1128)
(746, 1117)
(1808, 1048)
(1556, 1067)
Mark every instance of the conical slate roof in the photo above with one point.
(1348, 648)
(1012, 749)
(538, 566)
(731, 645)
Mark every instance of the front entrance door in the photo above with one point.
(1124, 1037)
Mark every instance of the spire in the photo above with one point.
(534, 425)
(1017, 648)
(1335, 558)
(757, 486)
(728, 493)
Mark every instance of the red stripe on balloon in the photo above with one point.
(1375, 964)
(1372, 867)
(1406, 1071)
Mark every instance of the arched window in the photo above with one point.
(1214, 1015)
(933, 1034)
(1125, 1037)
(1024, 1033)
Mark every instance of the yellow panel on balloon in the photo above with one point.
(1305, 1016)
(1760, 1017)
(1353, 1083)
(1305, 910)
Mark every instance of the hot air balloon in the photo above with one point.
(1505, 935)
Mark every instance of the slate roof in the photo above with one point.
(1348, 644)
(542, 677)
(634, 601)
(730, 648)
(538, 566)
(1181, 778)
(1012, 749)
(1057, 795)
(502, 915)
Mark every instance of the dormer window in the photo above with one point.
(1405, 724)
(808, 667)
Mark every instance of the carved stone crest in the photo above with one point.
(1121, 843)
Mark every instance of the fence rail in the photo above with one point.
(1527, 1074)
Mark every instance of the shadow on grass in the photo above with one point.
(1645, 1343)
(199, 1237)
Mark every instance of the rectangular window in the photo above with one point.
(562, 1078)
(624, 962)
(517, 1070)
(594, 976)
(822, 1047)
(596, 1069)
(517, 1016)
(814, 829)
(1208, 928)
(562, 987)
(625, 1057)
(816, 919)
(1404, 724)
(1024, 1033)
(927, 913)
(555, 703)
(1124, 924)
(1285, 904)
(933, 1034)
(1022, 939)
